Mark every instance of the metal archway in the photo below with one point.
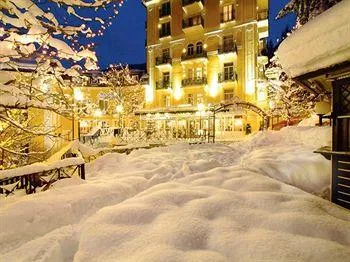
(222, 107)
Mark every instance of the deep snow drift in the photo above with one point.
(187, 203)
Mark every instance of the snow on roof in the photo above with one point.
(321, 43)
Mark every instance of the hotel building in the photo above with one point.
(201, 53)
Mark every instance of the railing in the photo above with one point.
(222, 77)
(163, 60)
(186, 23)
(189, 2)
(194, 81)
(194, 55)
(228, 48)
(162, 85)
(63, 164)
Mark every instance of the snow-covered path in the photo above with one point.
(187, 203)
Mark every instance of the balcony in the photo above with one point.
(187, 56)
(162, 85)
(193, 24)
(228, 48)
(228, 77)
(191, 7)
(194, 81)
(163, 62)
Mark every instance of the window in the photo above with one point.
(200, 99)
(229, 73)
(164, 30)
(199, 72)
(238, 123)
(228, 94)
(103, 105)
(199, 48)
(166, 78)
(228, 124)
(228, 43)
(190, 49)
(166, 53)
(190, 99)
(166, 101)
(228, 13)
(197, 20)
(165, 9)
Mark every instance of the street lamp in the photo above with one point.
(119, 110)
(322, 108)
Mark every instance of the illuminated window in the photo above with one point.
(228, 13)
(199, 72)
(190, 99)
(166, 53)
(238, 123)
(166, 101)
(103, 105)
(229, 72)
(228, 94)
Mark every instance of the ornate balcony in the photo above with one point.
(194, 81)
(195, 55)
(192, 6)
(193, 24)
(162, 85)
(163, 61)
(228, 77)
(228, 48)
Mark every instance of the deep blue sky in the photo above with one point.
(124, 41)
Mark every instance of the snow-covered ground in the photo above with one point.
(187, 203)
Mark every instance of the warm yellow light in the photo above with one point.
(177, 93)
(201, 107)
(78, 94)
(149, 94)
(250, 87)
(184, 50)
(238, 122)
(119, 108)
(98, 113)
(159, 26)
(205, 46)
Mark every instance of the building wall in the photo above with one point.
(249, 29)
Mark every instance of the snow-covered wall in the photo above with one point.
(321, 43)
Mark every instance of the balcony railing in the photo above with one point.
(163, 60)
(163, 85)
(189, 2)
(194, 55)
(192, 21)
(194, 81)
(228, 48)
(227, 77)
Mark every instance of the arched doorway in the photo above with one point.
(223, 107)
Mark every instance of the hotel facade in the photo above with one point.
(200, 54)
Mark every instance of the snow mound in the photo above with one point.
(208, 202)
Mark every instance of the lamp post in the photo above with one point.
(322, 108)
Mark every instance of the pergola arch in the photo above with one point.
(222, 107)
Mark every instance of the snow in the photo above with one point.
(210, 202)
(320, 43)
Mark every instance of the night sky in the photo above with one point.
(124, 41)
